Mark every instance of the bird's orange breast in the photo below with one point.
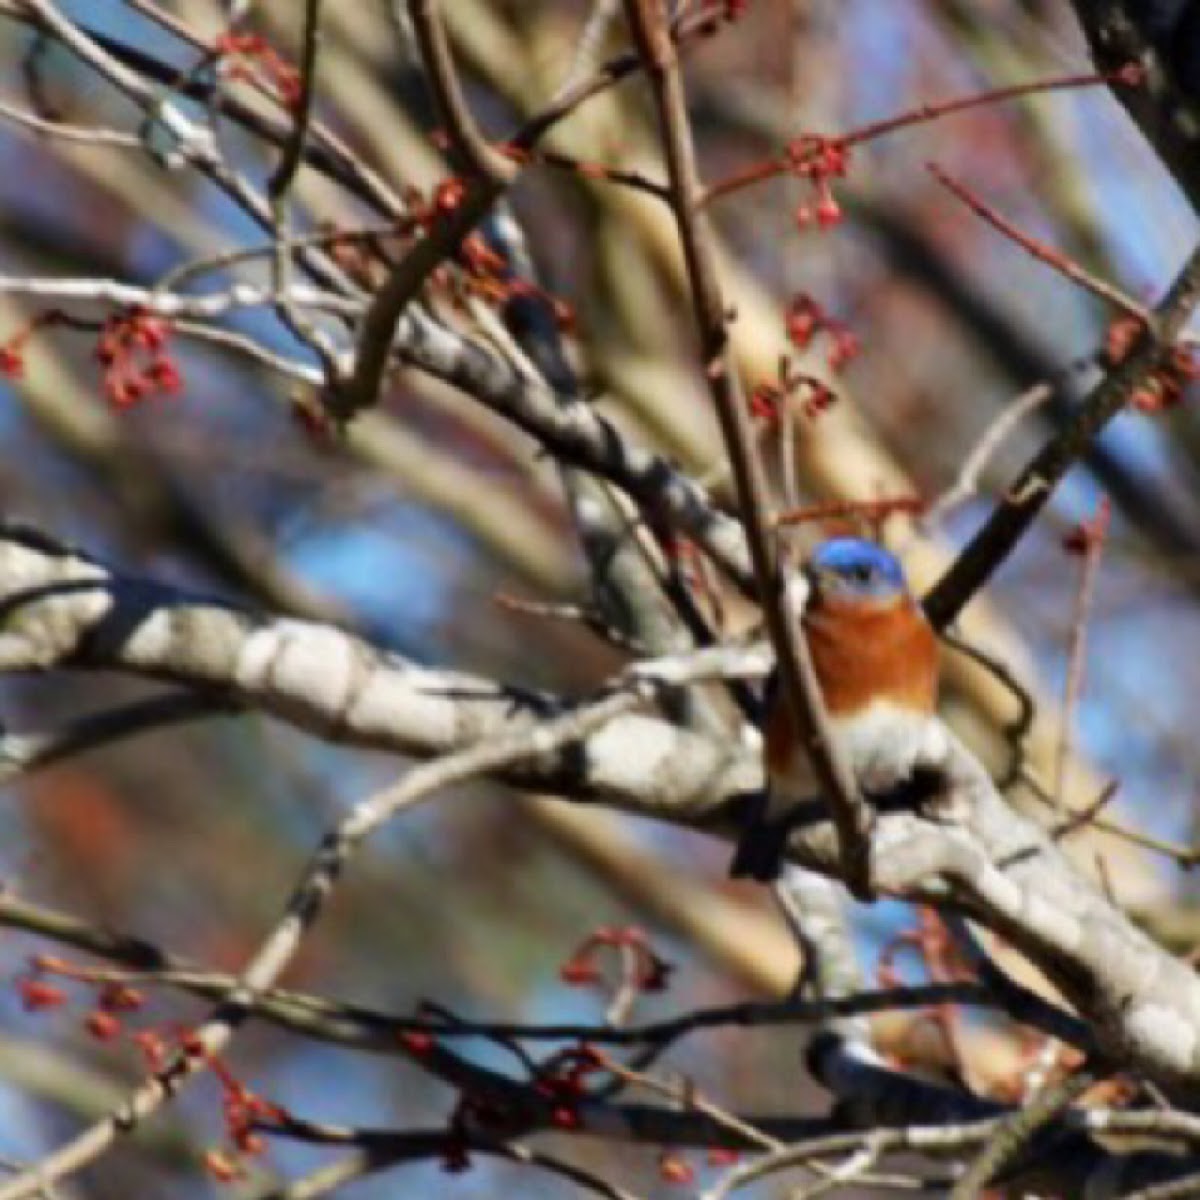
(867, 652)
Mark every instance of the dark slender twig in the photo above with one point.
(385, 1148)
(23, 753)
(1186, 856)
(315, 885)
(352, 1025)
(374, 350)
(1018, 509)
(1086, 816)
(293, 151)
(1016, 730)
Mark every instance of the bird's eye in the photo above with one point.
(861, 574)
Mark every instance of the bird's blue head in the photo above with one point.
(856, 570)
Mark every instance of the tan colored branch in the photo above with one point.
(651, 28)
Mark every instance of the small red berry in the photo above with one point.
(223, 1167)
(674, 1170)
(416, 1041)
(12, 362)
(449, 195)
(829, 211)
(804, 318)
(250, 1142)
(153, 1048)
(38, 995)
(117, 997)
(103, 1026)
(564, 1117)
(844, 348)
(579, 973)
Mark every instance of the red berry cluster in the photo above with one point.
(447, 197)
(676, 1170)
(417, 1042)
(934, 945)
(651, 972)
(133, 352)
(484, 273)
(103, 1022)
(242, 1110)
(1122, 332)
(930, 939)
(1164, 388)
(489, 277)
(562, 1082)
(806, 318)
(154, 1048)
(767, 399)
(242, 52)
(12, 361)
(804, 321)
(819, 160)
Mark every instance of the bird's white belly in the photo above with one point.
(882, 745)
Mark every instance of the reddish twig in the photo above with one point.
(1129, 76)
(871, 511)
(786, 163)
(1053, 258)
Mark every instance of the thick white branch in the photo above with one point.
(59, 609)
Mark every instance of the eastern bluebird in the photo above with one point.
(876, 659)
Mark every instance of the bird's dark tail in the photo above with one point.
(762, 847)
